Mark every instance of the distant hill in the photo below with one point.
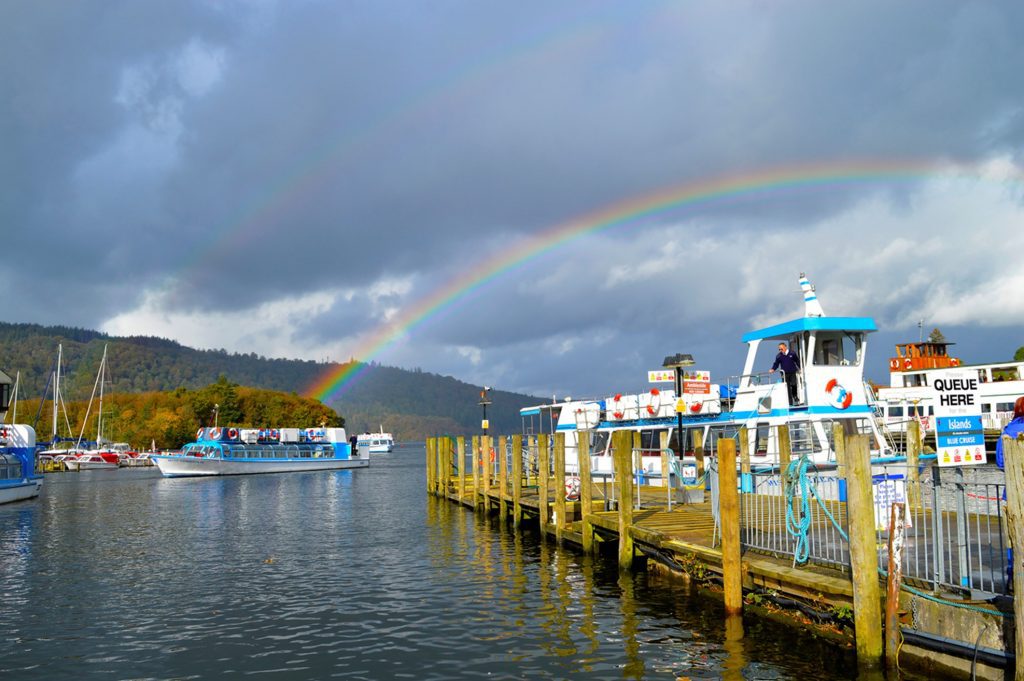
(410, 404)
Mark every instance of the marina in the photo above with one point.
(218, 577)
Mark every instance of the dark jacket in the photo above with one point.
(789, 362)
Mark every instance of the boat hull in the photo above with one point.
(182, 466)
(19, 490)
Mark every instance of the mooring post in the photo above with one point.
(488, 465)
(476, 471)
(503, 478)
(517, 480)
(623, 461)
(698, 450)
(785, 456)
(729, 512)
(431, 444)
(559, 486)
(913, 471)
(1013, 458)
(867, 615)
(638, 467)
(897, 529)
(460, 446)
(666, 468)
(543, 479)
(586, 491)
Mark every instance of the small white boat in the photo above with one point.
(89, 461)
(18, 479)
(376, 443)
(232, 451)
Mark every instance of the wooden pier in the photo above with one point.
(648, 526)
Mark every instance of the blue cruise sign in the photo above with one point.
(959, 435)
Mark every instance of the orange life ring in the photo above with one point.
(232, 434)
(616, 399)
(908, 363)
(954, 362)
(894, 364)
(493, 456)
(696, 406)
(199, 434)
(215, 433)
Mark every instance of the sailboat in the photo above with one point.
(104, 455)
(52, 453)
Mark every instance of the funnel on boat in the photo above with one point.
(812, 308)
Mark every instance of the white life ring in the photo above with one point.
(199, 434)
(572, 488)
(232, 434)
(618, 413)
(215, 433)
(654, 402)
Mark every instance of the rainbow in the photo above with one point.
(332, 383)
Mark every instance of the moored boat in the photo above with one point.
(89, 461)
(233, 451)
(18, 479)
(830, 390)
(376, 443)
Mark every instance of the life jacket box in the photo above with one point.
(249, 436)
(622, 408)
(290, 435)
(583, 416)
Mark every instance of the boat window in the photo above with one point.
(802, 438)
(895, 411)
(1004, 406)
(986, 409)
(837, 348)
(717, 432)
(1005, 374)
(763, 433)
(599, 444)
(10, 467)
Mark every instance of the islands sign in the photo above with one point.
(959, 436)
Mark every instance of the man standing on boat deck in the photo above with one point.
(790, 364)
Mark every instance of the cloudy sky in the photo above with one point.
(320, 179)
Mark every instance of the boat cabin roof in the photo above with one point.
(787, 329)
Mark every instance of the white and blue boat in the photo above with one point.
(242, 451)
(831, 390)
(18, 479)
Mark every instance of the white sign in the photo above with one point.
(697, 382)
(887, 490)
(661, 376)
(959, 435)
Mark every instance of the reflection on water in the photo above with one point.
(355, 574)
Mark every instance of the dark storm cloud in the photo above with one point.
(216, 156)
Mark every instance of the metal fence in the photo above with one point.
(954, 538)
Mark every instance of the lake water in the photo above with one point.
(349, 574)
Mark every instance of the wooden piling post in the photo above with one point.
(1013, 458)
(502, 479)
(913, 470)
(559, 486)
(460, 447)
(622, 441)
(698, 450)
(586, 492)
(431, 447)
(867, 615)
(897, 529)
(488, 469)
(729, 512)
(447, 464)
(543, 479)
(517, 480)
(666, 468)
(476, 471)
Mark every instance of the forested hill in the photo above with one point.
(410, 404)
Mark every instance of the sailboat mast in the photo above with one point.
(56, 391)
(103, 378)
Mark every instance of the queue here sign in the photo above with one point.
(959, 435)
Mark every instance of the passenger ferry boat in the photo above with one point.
(18, 479)
(233, 451)
(376, 443)
(910, 394)
(832, 390)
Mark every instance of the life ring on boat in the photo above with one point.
(654, 403)
(696, 407)
(908, 363)
(894, 364)
(199, 434)
(954, 362)
(493, 455)
(232, 434)
(838, 396)
(572, 488)
(215, 433)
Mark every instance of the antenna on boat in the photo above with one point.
(812, 308)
